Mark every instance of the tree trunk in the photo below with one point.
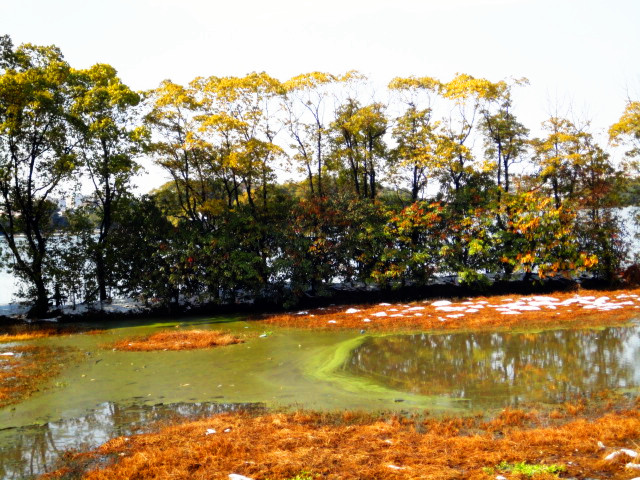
(41, 305)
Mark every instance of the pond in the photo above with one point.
(108, 393)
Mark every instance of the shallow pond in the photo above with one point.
(109, 393)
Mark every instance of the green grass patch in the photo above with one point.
(525, 468)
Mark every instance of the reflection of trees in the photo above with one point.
(33, 450)
(484, 367)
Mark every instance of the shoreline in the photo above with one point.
(128, 309)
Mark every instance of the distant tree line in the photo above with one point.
(440, 179)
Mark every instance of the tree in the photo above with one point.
(36, 156)
(237, 117)
(147, 254)
(305, 108)
(466, 94)
(104, 107)
(560, 156)
(175, 148)
(627, 129)
(415, 132)
(505, 137)
(359, 144)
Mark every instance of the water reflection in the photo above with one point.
(29, 451)
(507, 368)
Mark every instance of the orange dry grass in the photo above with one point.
(178, 340)
(21, 334)
(280, 446)
(429, 317)
(19, 337)
(22, 374)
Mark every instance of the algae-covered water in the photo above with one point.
(108, 393)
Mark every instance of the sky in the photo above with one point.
(581, 57)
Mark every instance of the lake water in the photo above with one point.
(107, 393)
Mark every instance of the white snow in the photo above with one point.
(441, 303)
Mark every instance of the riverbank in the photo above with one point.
(336, 296)
(572, 441)
(581, 308)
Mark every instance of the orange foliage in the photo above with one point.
(178, 340)
(280, 446)
(426, 317)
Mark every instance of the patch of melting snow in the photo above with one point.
(397, 315)
(7, 354)
(456, 315)
(472, 310)
(210, 431)
(352, 310)
(332, 321)
(538, 298)
(384, 304)
(302, 312)
(441, 303)
(366, 320)
(451, 309)
(416, 308)
(625, 451)
(380, 314)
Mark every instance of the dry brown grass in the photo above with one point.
(280, 446)
(178, 340)
(21, 333)
(24, 373)
(399, 317)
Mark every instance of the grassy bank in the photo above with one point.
(582, 308)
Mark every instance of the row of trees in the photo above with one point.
(441, 178)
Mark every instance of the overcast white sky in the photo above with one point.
(584, 53)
